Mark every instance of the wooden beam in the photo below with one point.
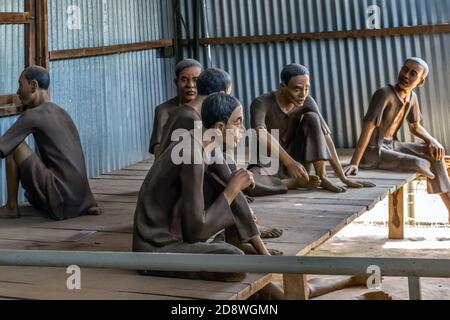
(10, 105)
(365, 33)
(295, 287)
(9, 99)
(107, 50)
(10, 110)
(42, 54)
(15, 18)
(163, 43)
(396, 214)
(30, 34)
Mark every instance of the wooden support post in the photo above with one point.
(414, 286)
(30, 34)
(36, 34)
(42, 55)
(411, 200)
(295, 287)
(396, 214)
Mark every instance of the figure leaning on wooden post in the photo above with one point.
(55, 181)
(304, 136)
(378, 146)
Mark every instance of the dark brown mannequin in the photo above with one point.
(291, 98)
(33, 96)
(412, 75)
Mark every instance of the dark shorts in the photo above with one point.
(40, 187)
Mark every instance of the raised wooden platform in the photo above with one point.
(308, 218)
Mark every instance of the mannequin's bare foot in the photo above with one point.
(275, 252)
(358, 184)
(249, 249)
(269, 233)
(330, 186)
(94, 211)
(7, 212)
(314, 182)
(376, 295)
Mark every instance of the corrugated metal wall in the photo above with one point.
(110, 98)
(12, 60)
(12, 55)
(345, 72)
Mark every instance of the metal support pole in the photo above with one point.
(414, 286)
(397, 267)
(178, 37)
(197, 27)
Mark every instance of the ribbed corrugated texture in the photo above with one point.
(268, 17)
(104, 22)
(12, 57)
(12, 6)
(345, 72)
(110, 98)
(12, 61)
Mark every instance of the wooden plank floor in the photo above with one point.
(308, 218)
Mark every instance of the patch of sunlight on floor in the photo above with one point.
(428, 208)
(427, 236)
(411, 245)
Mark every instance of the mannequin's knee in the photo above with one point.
(22, 152)
(311, 120)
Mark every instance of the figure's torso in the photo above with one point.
(401, 109)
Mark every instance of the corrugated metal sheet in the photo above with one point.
(111, 98)
(104, 22)
(345, 72)
(12, 57)
(12, 6)
(268, 17)
(12, 62)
